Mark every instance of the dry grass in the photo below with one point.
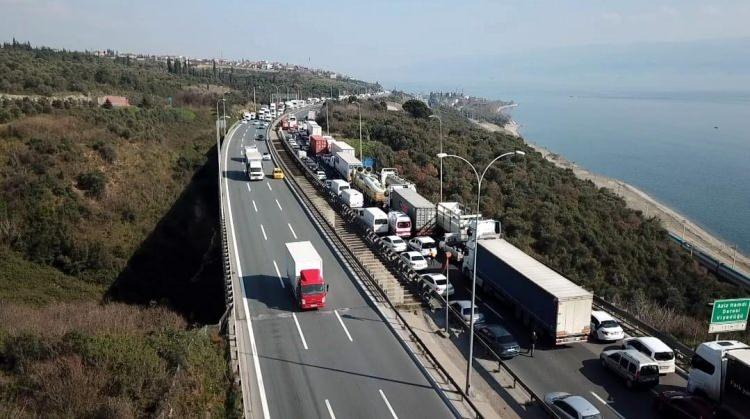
(55, 320)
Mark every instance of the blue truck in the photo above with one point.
(543, 299)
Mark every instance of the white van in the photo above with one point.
(337, 186)
(636, 368)
(654, 349)
(353, 198)
(375, 219)
(399, 223)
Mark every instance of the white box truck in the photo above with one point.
(720, 370)
(353, 198)
(304, 269)
(544, 300)
(339, 146)
(254, 164)
(345, 164)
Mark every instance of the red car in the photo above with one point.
(679, 404)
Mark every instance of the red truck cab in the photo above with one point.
(312, 289)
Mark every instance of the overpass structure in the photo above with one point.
(345, 360)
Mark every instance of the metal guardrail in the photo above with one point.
(637, 327)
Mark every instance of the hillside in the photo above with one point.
(109, 264)
(584, 232)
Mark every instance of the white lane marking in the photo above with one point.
(608, 405)
(264, 232)
(330, 411)
(248, 187)
(254, 207)
(278, 205)
(299, 329)
(269, 186)
(387, 403)
(343, 325)
(293, 233)
(281, 281)
(253, 347)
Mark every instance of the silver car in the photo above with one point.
(568, 406)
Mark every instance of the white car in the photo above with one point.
(415, 260)
(605, 328)
(655, 349)
(568, 406)
(426, 246)
(437, 283)
(266, 157)
(395, 243)
(321, 175)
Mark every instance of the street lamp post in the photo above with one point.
(476, 237)
(359, 109)
(441, 152)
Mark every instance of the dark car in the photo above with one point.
(499, 339)
(679, 404)
(259, 137)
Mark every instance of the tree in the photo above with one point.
(107, 104)
(417, 108)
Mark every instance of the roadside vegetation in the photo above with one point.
(96, 196)
(586, 233)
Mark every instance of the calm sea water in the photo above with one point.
(664, 144)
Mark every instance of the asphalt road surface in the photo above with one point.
(341, 361)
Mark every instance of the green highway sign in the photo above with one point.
(729, 315)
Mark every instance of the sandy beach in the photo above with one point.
(639, 200)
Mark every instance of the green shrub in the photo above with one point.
(94, 183)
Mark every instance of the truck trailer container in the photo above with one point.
(458, 225)
(545, 300)
(353, 198)
(313, 128)
(720, 370)
(318, 145)
(345, 164)
(310, 115)
(304, 269)
(418, 208)
(339, 146)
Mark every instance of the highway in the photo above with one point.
(341, 361)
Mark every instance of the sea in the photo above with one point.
(688, 150)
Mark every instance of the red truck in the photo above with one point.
(305, 272)
(318, 145)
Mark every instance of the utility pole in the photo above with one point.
(328, 125)
(255, 104)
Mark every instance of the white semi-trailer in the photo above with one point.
(546, 301)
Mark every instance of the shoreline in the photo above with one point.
(639, 200)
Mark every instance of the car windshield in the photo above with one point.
(255, 170)
(343, 188)
(313, 289)
(403, 224)
(417, 258)
(381, 221)
(664, 356)
(505, 339)
(609, 323)
(397, 241)
(440, 281)
(594, 416)
(649, 370)
(428, 245)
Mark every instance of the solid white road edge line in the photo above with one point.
(330, 411)
(292, 230)
(604, 402)
(279, 205)
(343, 325)
(264, 232)
(387, 403)
(281, 281)
(299, 329)
(254, 207)
(253, 347)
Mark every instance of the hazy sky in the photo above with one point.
(377, 39)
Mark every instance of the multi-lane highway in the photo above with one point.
(341, 361)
